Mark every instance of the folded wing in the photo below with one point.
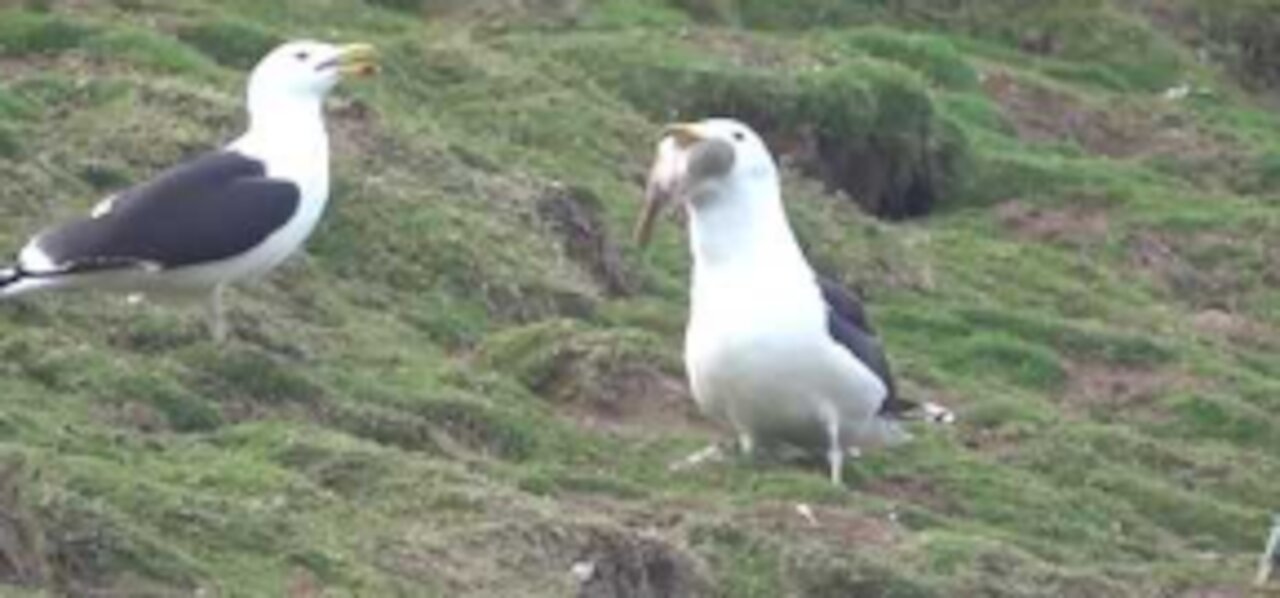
(848, 325)
(214, 207)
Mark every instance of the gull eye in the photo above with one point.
(739, 136)
(302, 56)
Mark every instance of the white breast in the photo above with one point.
(303, 159)
(759, 356)
(757, 349)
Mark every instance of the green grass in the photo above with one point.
(25, 34)
(233, 43)
(472, 380)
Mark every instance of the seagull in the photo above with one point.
(225, 216)
(783, 355)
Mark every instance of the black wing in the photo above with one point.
(848, 325)
(214, 207)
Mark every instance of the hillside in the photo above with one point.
(1063, 216)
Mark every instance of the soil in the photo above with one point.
(574, 215)
(1093, 385)
(1146, 129)
(1072, 225)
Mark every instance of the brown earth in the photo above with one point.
(1072, 225)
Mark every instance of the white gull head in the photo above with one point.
(300, 74)
(722, 172)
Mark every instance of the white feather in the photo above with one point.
(33, 259)
(104, 207)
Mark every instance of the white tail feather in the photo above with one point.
(15, 283)
(935, 413)
(9, 277)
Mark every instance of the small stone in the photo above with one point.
(583, 571)
(807, 513)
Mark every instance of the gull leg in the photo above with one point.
(835, 454)
(746, 442)
(217, 316)
(1270, 556)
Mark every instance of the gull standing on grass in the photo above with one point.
(219, 218)
(783, 355)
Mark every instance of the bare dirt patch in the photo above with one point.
(913, 490)
(999, 443)
(1234, 328)
(1073, 225)
(1149, 128)
(304, 584)
(574, 215)
(1223, 324)
(638, 397)
(1041, 114)
(1105, 386)
(548, 559)
(621, 564)
(355, 127)
(746, 50)
(1209, 271)
(844, 527)
(1157, 255)
(133, 415)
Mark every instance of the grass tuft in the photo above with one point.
(26, 33)
(231, 43)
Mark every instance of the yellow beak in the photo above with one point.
(357, 60)
(685, 134)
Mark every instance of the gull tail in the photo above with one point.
(936, 413)
(886, 428)
(15, 282)
(9, 277)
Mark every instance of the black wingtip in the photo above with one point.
(9, 276)
(897, 407)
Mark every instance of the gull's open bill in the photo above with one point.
(665, 176)
(356, 60)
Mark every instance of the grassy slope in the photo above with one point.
(429, 401)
